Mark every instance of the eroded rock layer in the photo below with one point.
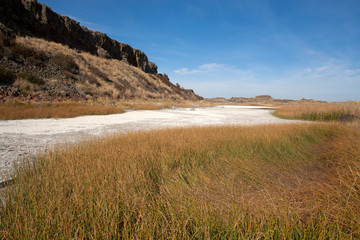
(28, 17)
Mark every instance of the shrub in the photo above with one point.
(99, 73)
(118, 86)
(38, 59)
(69, 75)
(6, 41)
(93, 80)
(34, 57)
(31, 78)
(23, 51)
(6, 76)
(67, 63)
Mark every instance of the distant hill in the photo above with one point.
(260, 100)
(47, 56)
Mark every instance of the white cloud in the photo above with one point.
(352, 72)
(210, 67)
(321, 69)
(205, 68)
(316, 70)
(182, 71)
(332, 81)
(307, 70)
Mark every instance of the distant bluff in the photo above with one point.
(28, 17)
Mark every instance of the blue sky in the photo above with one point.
(238, 48)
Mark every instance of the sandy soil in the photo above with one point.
(24, 138)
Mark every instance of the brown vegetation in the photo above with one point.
(26, 110)
(67, 63)
(320, 111)
(6, 76)
(11, 110)
(271, 182)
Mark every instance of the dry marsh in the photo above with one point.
(25, 110)
(319, 111)
(268, 182)
(12, 110)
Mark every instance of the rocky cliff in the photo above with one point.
(28, 17)
(48, 57)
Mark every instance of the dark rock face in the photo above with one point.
(28, 17)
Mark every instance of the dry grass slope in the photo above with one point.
(104, 78)
(272, 182)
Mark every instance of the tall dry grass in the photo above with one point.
(26, 110)
(12, 110)
(268, 182)
(319, 111)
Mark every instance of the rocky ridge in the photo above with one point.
(45, 56)
(28, 17)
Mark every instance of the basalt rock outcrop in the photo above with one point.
(45, 56)
(28, 17)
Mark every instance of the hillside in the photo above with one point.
(261, 100)
(47, 56)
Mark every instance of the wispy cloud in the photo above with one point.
(321, 69)
(334, 80)
(205, 68)
(352, 72)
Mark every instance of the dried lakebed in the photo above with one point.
(24, 138)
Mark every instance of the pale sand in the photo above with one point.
(23, 138)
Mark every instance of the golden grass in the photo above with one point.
(33, 110)
(268, 182)
(319, 111)
(12, 110)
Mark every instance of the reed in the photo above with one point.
(319, 111)
(26, 110)
(270, 182)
